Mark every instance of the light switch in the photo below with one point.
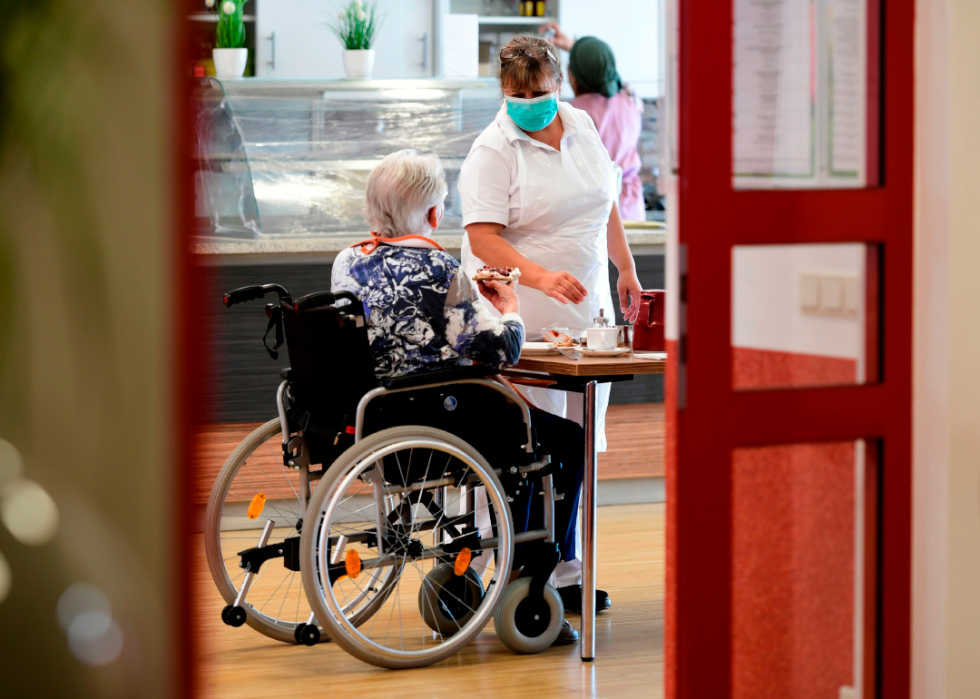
(832, 294)
(810, 292)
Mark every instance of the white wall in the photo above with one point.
(766, 304)
(631, 28)
(946, 430)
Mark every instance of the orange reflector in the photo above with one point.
(353, 564)
(256, 506)
(463, 559)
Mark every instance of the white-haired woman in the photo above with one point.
(424, 313)
(403, 278)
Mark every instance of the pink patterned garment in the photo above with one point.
(617, 119)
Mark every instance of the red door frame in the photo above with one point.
(710, 419)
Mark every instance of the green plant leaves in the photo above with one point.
(231, 27)
(357, 24)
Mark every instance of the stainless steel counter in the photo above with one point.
(644, 239)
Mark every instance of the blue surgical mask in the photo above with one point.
(533, 114)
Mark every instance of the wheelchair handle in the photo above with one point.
(322, 298)
(251, 293)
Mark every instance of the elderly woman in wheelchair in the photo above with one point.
(405, 493)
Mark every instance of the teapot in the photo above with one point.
(648, 330)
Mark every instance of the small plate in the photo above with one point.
(538, 348)
(619, 351)
(659, 356)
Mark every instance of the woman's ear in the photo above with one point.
(433, 217)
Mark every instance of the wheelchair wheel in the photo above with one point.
(431, 523)
(525, 625)
(446, 600)
(276, 603)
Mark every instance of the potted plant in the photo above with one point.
(231, 55)
(357, 25)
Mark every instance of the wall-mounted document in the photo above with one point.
(801, 91)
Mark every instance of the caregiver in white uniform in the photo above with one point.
(538, 191)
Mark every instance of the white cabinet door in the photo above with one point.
(304, 47)
(632, 30)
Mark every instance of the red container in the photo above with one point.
(648, 330)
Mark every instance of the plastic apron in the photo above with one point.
(566, 199)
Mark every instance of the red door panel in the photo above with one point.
(737, 459)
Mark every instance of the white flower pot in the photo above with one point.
(229, 63)
(358, 63)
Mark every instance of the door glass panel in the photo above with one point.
(804, 109)
(802, 539)
(804, 315)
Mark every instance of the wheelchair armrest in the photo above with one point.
(477, 371)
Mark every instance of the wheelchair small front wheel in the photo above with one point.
(525, 624)
(447, 601)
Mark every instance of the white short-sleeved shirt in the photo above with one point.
(554, 206)
(528, 186)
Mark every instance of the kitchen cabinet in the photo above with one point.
(294, 41)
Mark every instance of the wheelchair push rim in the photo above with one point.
(417, 534)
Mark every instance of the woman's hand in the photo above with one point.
(501, 295)
(560, 39)
(562, 286)
(629, 289)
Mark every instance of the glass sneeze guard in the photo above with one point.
(290, 158)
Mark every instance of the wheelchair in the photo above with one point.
(378, 515)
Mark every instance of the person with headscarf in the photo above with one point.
(616, 112)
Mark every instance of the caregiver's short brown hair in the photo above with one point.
(527, 73)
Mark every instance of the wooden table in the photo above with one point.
(584, 376)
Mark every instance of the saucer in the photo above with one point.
(619, 351)
(538, 348)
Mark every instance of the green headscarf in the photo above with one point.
(594, 66)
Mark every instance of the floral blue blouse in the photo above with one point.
(424, 313)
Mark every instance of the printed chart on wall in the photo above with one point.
(801, 111)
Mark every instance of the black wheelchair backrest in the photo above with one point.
(326, 335)
(330, 356)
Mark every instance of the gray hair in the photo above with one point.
(401, 190)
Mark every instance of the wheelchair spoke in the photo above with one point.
(258, 463)
(281, 498)
(285, 596)
(283, 469)
(273, 592)
(429, 501)
(443, 589)
(432, 587)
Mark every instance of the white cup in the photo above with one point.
(602, 338)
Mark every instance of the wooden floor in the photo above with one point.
(239, 663)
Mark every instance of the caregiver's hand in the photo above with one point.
(629, 289)
(562, 286)
(502, 296)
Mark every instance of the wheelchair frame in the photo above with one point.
(296, 456)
